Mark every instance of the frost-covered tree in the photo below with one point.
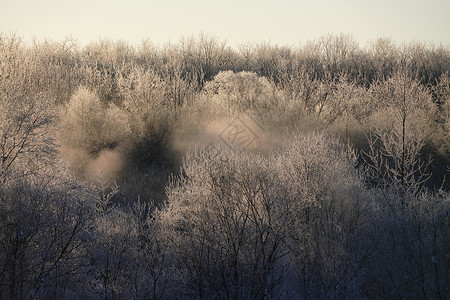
(226, 226)
(85, 123)
(244, 225)
(410, 263)
(403, 121)
(411, 257)
(442, 135)
(148, 114)
(241, 92)
(26, 131)
(329, 239)
(43, 232)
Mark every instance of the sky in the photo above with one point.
(280, 22)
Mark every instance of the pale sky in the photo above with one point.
(281, 22)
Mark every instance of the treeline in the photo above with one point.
(62, 66)
(121, 175)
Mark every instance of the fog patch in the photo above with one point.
(108, 164)
(239, 133)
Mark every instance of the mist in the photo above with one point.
(198, 171)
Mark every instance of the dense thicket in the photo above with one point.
(199, 171)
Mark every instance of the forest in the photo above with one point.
(197, 170)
